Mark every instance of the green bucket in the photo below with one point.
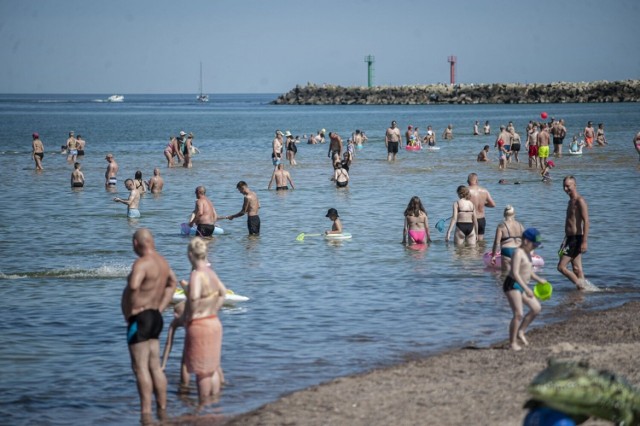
(543, 290)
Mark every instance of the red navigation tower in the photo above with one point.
(452, 60)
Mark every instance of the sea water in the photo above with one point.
(319, 309)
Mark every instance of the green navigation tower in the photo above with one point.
(370, 59)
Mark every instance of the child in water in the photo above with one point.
(575, 145)
(336, 228)
(546, 175)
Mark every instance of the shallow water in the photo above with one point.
(318, 309)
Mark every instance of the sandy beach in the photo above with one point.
(469, 386)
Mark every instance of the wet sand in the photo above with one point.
(467, 386)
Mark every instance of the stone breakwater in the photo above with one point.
(597, 91)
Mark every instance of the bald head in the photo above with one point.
(472, 179)
(201, 190)
(156, 172)
(142, 241)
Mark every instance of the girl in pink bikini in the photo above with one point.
(416, 223)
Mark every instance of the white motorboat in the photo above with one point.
(115, 98)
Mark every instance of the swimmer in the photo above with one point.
(532, 145)
(132, 202)
(72, 148)
(416, 223)
(335, 145)
(340, 175)
(250, 207)
(516, 288)
(81, 144)
(481, 198)
(150, 287)
(589, 133)
(508, 238)
(276, 148)
(576, 229)
(336, 228)
(281, 176)
(156, 183)
(392, 140)
(140, 184)
(463, 219)
(487, 128)
(37, 151)
(542, 140)
(77, 177)
(204, 214)
(483, 156)
(600, 138)
(448, 133)
(476, 131)
(110, 178)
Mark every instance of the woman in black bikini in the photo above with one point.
(140, 185)
(463, 219)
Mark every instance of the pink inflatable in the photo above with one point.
(537, 261)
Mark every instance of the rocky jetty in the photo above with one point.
(561, 92)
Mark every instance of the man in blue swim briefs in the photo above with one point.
(150, 287)
(204, 214)
(132, 202)
(250, 207)
(576, 229)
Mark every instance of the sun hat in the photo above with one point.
(287, 133)
(550, 163)
(35, 135)
(278, 132)
(533, 235)
(182, 133)
(332, 212)
(323, 131)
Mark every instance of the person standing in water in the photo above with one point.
(72, 148)
(516, 288)
(281, 176)
(110, 178)
(156, 183)
(576, 229)
(250, 207)
(463, 219)
(481, 198)
(508, 238)
(150, 287)
(416, 223)
(204, 215)
(392, 140)
(132, 202)
(37, 151)
(77, 177)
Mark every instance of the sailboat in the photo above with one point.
(202, 97)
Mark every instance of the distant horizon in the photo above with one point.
(302, 85)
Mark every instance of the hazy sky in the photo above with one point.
(269, 46)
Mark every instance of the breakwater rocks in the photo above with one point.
(597, 91)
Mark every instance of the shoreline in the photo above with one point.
(464, 94)
(460, 386)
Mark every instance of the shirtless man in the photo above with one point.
(72, 148)
(480, 198)
(250, 207)
(37, 151)
(110, 178)
(80, 144)
(281, 177)
(77, 177)
(542, 140)
(504, 135)
(589, 134)
(559, 132)
(476, 131)
(357, 138)
(408, 136)
(484, 154)
(448, 133)
(515, 145)
(150, 287)
(392, 140)
(156, 183)
(487, 128)
(204, 214)
(576, 229)
(335, 145)
(132, 202)
(277, 144)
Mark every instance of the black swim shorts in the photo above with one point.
(571, 246)
(392, 147)
(482, 223)
(205, 230)
(253, 223)
(145, 326)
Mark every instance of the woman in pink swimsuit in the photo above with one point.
(416, 223)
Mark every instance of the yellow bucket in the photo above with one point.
(543, 290)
